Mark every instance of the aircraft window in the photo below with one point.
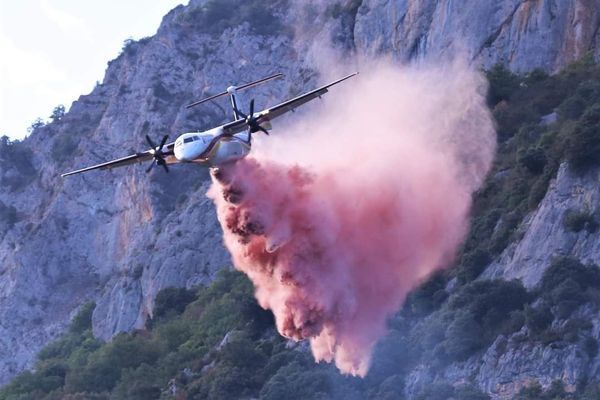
(188, 140)
(196, 138)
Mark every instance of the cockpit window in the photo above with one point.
(188, 140)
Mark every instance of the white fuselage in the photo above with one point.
(204, 148)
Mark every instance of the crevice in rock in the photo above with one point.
(494, 36)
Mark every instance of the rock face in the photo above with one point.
(119, 237)
(522, 34)
(547, 234)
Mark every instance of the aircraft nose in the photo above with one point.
(179, 153)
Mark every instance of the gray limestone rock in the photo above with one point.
(118, 237)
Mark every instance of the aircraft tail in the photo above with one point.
(232, 89)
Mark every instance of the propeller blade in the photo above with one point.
(252, 108)
(266, 132)
(150, 142)
(164, 141)
(150, 167)
(164, 164)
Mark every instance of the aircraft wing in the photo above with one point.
(120, 162)
(280, 109)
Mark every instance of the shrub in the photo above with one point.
(214, 16)
(105, 366)
(490, 301)
(473, 263)
(295, 381)
(173, 301)
(564, 268)
(15, 155)
(463, 336)
(576, 221)
(538, 319)
(427, 297)
(83, 320)
(63, 147)
(391, 388)
(35, 125)
(572, 108)
(58, 113)
(533, 159)
(503, 83)
(584, 146)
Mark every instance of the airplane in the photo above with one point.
(218, 146)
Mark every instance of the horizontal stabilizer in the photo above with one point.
(245, 86)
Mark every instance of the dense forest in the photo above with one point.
(216, 342)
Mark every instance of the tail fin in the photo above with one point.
(233, 89)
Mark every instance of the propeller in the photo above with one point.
(157, 153)
(252, 122)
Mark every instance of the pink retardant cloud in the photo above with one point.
(337, 216)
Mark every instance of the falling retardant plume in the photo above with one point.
(341, 212)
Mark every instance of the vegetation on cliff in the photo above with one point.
(216, 342)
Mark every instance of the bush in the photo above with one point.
(564, 268)
(83, 320)
(215, 16)
(295, 381)
(427, 297)
(503, 83)
(35, 125)
(584, 146)
(533, 159)
(463, 336)
(58, 113)
(473, 263)
(576, 221)
(538, 319)
(572, 108)
(172, 301)
(63, 148)
(105, 366)
(490, 302)
(15, 155)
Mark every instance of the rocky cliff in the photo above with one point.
(560, 354)
(523, 34)
(119, 237)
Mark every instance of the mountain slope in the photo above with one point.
(119, 237)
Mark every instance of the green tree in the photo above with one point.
(463, 336)
(35, 125)
(57, 113)
(583, 149)
(503, 83)
(172, 300)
